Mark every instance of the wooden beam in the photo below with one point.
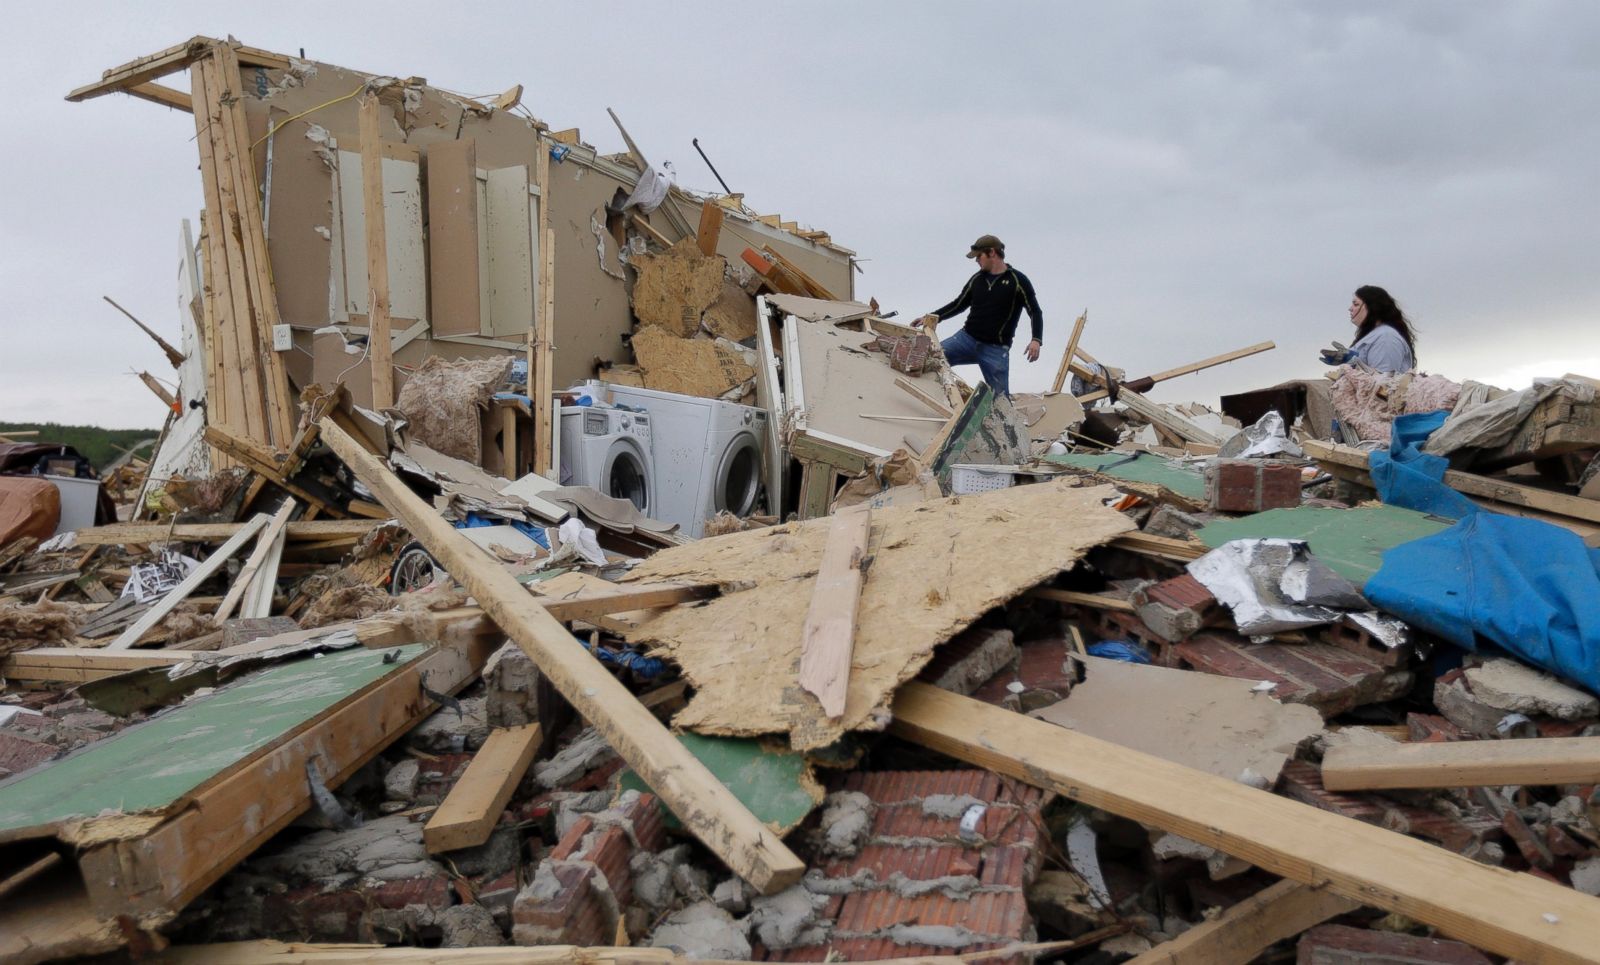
(704, 805)
(1501, 491)
(1192, 367)
(1164, 547)
(1072, 349)
(298, 531)
(711, 217)
(829, 632)
(1238, 935)
(173, 355)
(1165, 419)
(264, 544)
(163, 95)
(1096, 600)
(82, 664)
(648, 229)
(474, 805)
(927, 398)
(134, 73)
(190, 583)
(378, 334)
(1516, 915)
(544, 384)
(159, 389)
(1542, 761)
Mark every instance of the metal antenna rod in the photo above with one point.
(713, 167)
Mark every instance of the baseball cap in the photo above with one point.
(987, 241)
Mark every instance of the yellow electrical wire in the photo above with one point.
(274, 128)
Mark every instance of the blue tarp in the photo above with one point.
(1529, 586)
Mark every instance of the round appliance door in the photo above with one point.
(625, 475)
(738, 482)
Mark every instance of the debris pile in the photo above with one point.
(741, 628)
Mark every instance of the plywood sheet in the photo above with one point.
(936, 568)
(1215, 724)
(841, 382)
(691, 366)
(1351, 541)
(675, 287)
(152, 765)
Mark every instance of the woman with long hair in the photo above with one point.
(1384, 340)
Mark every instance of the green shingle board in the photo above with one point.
(1351, 541)
(1148, 468)
(775, 784)
(151, 765)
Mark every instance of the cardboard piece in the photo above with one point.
(1220, 725)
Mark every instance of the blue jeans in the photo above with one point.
(993, 361)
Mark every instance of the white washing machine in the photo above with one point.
(708, 453)
(609, 450)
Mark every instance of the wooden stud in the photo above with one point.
(173, 355)
(190, 583)
(1097, 601)
(264, 461)
(474, 805)
(544, 385)
(118, 533)
(1279, 911)
(1516, 915)
(163, 95)
(1072, 349)
(1544, 761)
(1192, 367)
(828, 634)
(263, 550)
(650, 230)
(925, 397)
(378, 333)
(704, 805)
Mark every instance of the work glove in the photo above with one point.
(1337, 354)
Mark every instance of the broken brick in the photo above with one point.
(1250, 485)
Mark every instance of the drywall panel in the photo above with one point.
(402, 214)
(454, 238)
(592, 314)
(513, 252)
(301, 220)
(841, 385)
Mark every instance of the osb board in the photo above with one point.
(691, 366)
(841, 382)
(777, 785)
(154, 764)
(1220, 725)
(733, 314)
(674, 287)
(936, 567)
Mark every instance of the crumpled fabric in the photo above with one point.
(1493, 423)
(1275, 585)
(1406, 476)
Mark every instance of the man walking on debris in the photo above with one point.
(995, 296)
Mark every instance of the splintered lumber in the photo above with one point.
(1238, 935)
(299, 531)
(1178, 550)
(264, 546)
(173, 355)
(82, 664)
(1516, 915)
(1482, 489)
(1541, 761)
(711, 217)
(827, 639)
(474, 805)
(378, 337)
(1098, 601)
(190, 583)
(1066, 357)
(1165, 418)
(1192, 367)
(706, 807)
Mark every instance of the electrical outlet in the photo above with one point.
(282, 338)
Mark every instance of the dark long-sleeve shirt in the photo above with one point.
(996, 303)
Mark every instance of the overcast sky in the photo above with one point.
(1199, 176)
